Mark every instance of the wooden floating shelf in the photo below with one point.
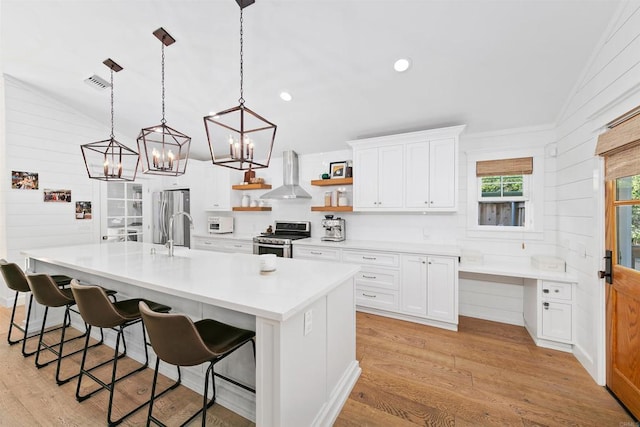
(251, 187)
(334, 181)
(331, 208)
(250, 209)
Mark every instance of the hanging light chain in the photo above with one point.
(241, 99)
(112, 135)
(162, 43)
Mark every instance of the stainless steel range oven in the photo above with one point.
(279, 242)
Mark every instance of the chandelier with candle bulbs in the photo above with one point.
(109, 160)
(239, 138)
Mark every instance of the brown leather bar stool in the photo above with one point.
(177, 340)
(97, 311)
(16, 280)
(47, 293)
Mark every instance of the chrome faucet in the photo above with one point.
(170, 241)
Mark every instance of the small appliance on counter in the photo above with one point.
(334, 229)
(220, 224)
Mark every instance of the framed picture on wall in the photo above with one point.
(57, 196)
(83, 210)
(24, 180)
(337, 169)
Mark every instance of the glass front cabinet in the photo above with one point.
(122, 219)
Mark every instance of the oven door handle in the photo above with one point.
(265, 245)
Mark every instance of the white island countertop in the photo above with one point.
(229, 280)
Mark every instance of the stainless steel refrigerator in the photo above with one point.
(165, 204)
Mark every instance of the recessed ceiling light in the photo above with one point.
(402, 65)
(285, 96)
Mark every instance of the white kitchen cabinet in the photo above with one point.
(416, 171)
(430, 287)
(222, 244)
(442, 289)
(414, 285)
(123, 217)
(316, 253)
(217, 185)
(378, 281)
(556, 321)
(379, 184)
(549, 312)
(431, 175)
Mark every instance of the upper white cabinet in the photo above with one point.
(415, 171)
(217, 185)
(379, 177)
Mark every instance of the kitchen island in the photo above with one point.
(303, 314)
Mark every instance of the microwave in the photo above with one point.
(220, 224)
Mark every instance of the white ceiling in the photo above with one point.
(490, 64)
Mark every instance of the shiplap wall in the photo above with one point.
(609, 87)
(43, 135)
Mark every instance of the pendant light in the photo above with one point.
(164, 150)
(238, 137)
(109, 160)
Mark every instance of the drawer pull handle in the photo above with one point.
(368, 296)
(369, 277)
(545, 305)
(369, 258)
(545, 291)
(237, 246)
(315, 253)
(208, 243)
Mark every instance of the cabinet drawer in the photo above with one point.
(318, 253)
(238, 246)
(372, 258)
(386, 279)
(207, 245)
(376, 298)
(556, 290)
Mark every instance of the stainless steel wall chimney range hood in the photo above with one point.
(290, 188)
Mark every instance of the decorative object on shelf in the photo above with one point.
(249, 175)
(349, 171)
(164, 150)
(109, 160)
(238, 137)
(256, 180)
(338, 169)
(325, 176)
(24, 180)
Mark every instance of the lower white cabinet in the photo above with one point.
(222, 244)
(430, 287)
(414, 287)
(548, 313)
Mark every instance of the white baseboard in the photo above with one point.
(587, 362)
(330, 411)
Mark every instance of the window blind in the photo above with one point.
(518, 166)
(620, 146)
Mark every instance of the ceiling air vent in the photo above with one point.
(97, 82)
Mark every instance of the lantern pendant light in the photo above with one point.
(238, 137)
(109, 160)
(164, 150)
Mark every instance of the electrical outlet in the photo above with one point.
(308, 318)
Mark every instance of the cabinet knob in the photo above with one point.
(545, 305)
(545, 291)
(556, 290)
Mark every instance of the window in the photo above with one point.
(501, 195)
(501, 200)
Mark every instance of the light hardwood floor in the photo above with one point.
(485, 374)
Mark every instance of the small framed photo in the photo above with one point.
(337, 169)
(83, 210)
(57, 196)
(24, 180)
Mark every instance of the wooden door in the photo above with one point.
(623, 294)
